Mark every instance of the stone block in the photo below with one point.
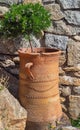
(74, 106)
(56, 13)
(72, 17)
(74, 68)
(56, 41)
(61, 28)
(3, 10)
(73, 53)
(68, 80)
(70, 4)
(8, 2)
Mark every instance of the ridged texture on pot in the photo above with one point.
(39, 93)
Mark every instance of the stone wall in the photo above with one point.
(64, 33)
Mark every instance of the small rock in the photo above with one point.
(9, 63)
(66, 91)
(3, 10)
(16, 60)
(62, 99)
(77, 74)
(62, 59)
(74, 106)
(76, 38)
(64, 108)
(76, 90)
(73, 69)
(61, 72)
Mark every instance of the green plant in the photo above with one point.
(76, 123)
(27, 20)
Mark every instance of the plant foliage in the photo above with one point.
(25, 19)
(76, 123)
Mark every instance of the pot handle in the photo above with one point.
(27, 69)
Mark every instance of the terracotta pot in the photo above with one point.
(38, 90)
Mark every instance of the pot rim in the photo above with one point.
(39, 51)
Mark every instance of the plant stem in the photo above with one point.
(31, 45)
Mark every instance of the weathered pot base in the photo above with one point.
(63, 121)
(37, 126)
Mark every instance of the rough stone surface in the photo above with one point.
(77, 38)
(55, 11)
(68, 80)
(62, 99)
(12, 115)
(8, 2)
(8, 46)
(62, 59)
(13, 82)
(74, 68)
(1, 125)
(61, 28)
(64, 108)
(16, 59)
(11, 46)
(66, 91)
(32, 1)
(74, 106)
(52, 40)
(61, 72)
(72, 17)
(69, 128)
(14, 71)
(70, 4)
(76, 90)
(3, 10)
(73, 53)
(8, 63)
(48, 1)
(77, 74)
